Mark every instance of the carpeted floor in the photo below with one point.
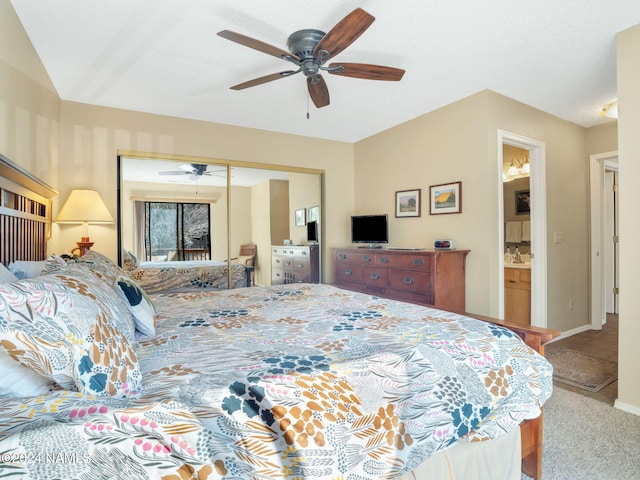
(582, 370)
(585, 439)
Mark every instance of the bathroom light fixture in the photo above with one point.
(84, 207)
(610, 110)
(517, 169)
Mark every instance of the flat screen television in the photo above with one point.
(370, 229)
(312, 231)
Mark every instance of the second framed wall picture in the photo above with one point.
(301, 217)
(313, 214)
(408, 203)
(445, 198)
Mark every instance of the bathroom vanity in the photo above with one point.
(517, 292)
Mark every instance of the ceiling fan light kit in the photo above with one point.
(310, 49)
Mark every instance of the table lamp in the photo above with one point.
(84, 207)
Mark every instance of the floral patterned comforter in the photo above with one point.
(157, 277)
(288, 382)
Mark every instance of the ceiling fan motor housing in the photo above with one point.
(301, 44)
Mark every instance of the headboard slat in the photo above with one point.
(25, 214)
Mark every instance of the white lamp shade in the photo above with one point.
(84, 206)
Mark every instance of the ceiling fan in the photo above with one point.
(310, 49)
(195, 170)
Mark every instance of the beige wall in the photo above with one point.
(459, 143)
(29, 105)
(602, 139)
(97, 133)
(629, 166)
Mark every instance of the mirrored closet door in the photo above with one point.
(175, 208)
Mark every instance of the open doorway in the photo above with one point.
(604, 237)
(538, 224)
(516, 208)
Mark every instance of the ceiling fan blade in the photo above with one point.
(366, 71)
(265, 79)
(318, 91)
(256, 44)
(343, 34)
(175, 172)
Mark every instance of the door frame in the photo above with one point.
(538, 189)
(597, 165)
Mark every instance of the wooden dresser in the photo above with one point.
(429, 277)
(295, 264)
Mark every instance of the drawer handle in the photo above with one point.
(408, 280)
(366, 258)
(384, 260)
(348, 271)
(418, 261)
(374, 276)
(277, 260)
(342, 256)
(300, 265)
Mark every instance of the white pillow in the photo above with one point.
(19, 381)
(139, 303)
(26, 269)
(6, 275)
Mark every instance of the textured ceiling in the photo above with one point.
(164, 57)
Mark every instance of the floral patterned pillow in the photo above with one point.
(101, 266)
(129, 260)
(62, 333)
(77, 276)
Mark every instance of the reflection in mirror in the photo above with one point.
(176, 211)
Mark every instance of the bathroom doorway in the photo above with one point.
(522, 203)
(517, 207)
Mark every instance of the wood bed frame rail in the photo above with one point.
(530, 430)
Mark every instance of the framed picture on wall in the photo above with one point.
(523, 202)
(445, 198)
(408, 203)
(314, 214)
(301, 217)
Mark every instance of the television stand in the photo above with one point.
(370, 246)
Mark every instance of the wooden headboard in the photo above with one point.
(25, 214)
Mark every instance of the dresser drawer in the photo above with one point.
(410, 281)
(375, 276)
(277, 261)
(349, 272)
(355, 257)
(299, 264)
(277, 276)
(413, 262)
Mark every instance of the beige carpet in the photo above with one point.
(581, 370)
(585, 439)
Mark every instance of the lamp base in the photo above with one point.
(84, 245)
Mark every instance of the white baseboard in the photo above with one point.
(625, 407)
(570, 333)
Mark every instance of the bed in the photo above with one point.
(164, 276)
(102, 380)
